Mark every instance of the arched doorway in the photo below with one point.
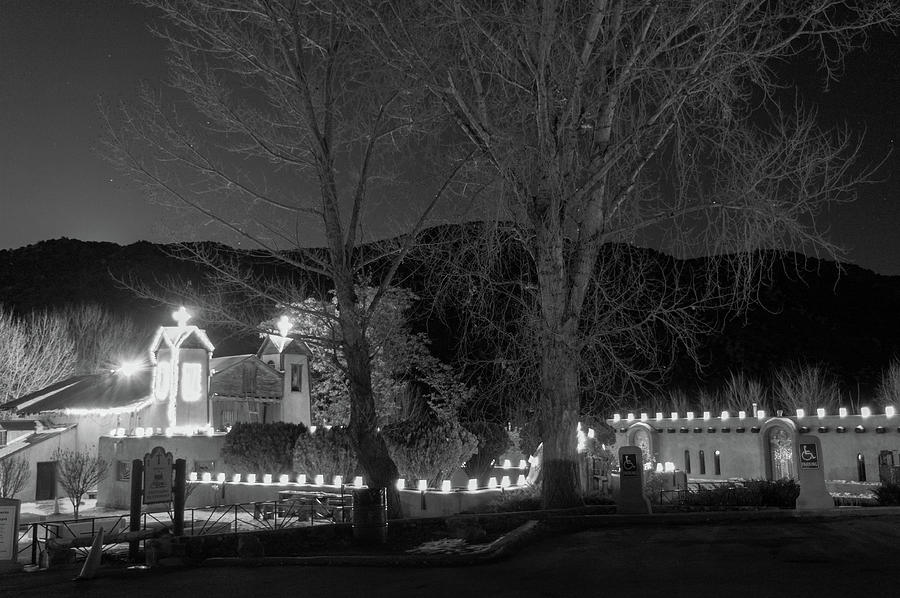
(641, 439)
(780, 449)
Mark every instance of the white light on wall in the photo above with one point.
(591, 434)
(842, 412)
(236, 478)
(473, 484)
(760, 414)
(659, 416)
(507, 464)
(504, 482)
(820, 412)
(725, 415)
(139, 432)
(162, 380)
(319, 480)
(630, 417)
(520, 481)
(283, 478)
(644, 417)
(170, 432)
(301, 479)
(674, 415)
(400, 484)
(192, 476)
(690, 415)
(220, 478)
(445, 486)
(207, 476)
(801, 413)
(423, 485)
(523, 464)
(670, 467)
(191, 384)
(742, 415)
(492, 482)
(251, 478)
(616, 418)
(706, 416)
(890, 411)
(865, 412)
(659, 468)
(358, 481)
(267, 478)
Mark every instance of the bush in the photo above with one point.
(262, 448)
(888, 494)
(327, 452)
(526, 499)
(751, 493)
(429, 448)
(493, 440)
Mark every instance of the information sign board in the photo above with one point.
(9, 530)
(809, 456)
(157, 476)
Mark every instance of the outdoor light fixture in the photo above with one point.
(236, 478)
(669, 467)
(820, 412)
(473, 484)
(659, 468)
(423, 485)
(207, 477)
(725, 415)
(801, 413)
(251, 478)
(674, 415)
(400, 484)
(445, 486)
(319, 480)
(644, 417)
(705, 415)
(630, 417)
(890, 411)
(760, 414)
(220, 478)
(865, 412)
(742, 415)
(312, 429)
(267, 478)
(520, 481)
(523, 464)
(690, 415)
(193, 476)
(301, 479)
(283, 478)
(504, 482)
(617, 418)
(507, 464)
(358, 481)
(842, 412)
(128, 368)
(338, 481)
(659, 416)
(492, 482)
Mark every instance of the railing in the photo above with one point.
(294, 509)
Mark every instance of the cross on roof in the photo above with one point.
(181, 316)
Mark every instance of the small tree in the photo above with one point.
(79, 471)
(14, 473)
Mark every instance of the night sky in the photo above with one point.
(58, 56)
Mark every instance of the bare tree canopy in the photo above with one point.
(646, 122)
(14, 474)
(79, 472)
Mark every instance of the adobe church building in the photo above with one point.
(855, 448)
(185, 399)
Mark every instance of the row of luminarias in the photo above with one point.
(338, 481)
(889, 411)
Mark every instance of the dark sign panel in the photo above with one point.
(630, 467)
(809, 456)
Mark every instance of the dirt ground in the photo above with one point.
(846, 556)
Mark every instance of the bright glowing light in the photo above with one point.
(591, 435)
(659, 468)
(890, 411)
(630, 417)
(338, 480)
(423, 485)
(669, 467)
(520, 481)
(842, 412)
(251, 478)
(170, 432)
(801, 413)
(492, 482)
(207, 477)
(659, 416)
(674, 415)
(358, 481)
(139, 432)
(181, 316)
(644, 417)
(400, 484)
(129, 368)
(120, 431)
(504, 482)
(706, 415)
(191, 385)
(725, 415)
(192, 476)
(690, 415)
(742, 415)
(283, 478)
(312, 429)
(236, 478)
(865, 412)
(473, 484)
(760, 414)
(220, 477)
(445, 486)
(319, 480)
(301, 479)
(507, 464)
(284, 326)
(616, 418)
(267, 478)
(162, 381)
(523, 464)
(820, 412)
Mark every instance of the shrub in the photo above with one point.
(526, 499)
(888, 494)
(493, 440)
(327, 451)
(262, 448)
(751, 493)
(429, 448)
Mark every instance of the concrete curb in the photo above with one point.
(496, 550)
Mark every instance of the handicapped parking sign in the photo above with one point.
(809, 456)
(630, 465)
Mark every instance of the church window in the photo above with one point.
(162, 381)
(296, 377)
(191, 385)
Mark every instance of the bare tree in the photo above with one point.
(637, 123)
(290, 131)
(79, 472)
(102, 339)
(35, 351)
(14, 474)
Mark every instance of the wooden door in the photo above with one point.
(45, 485)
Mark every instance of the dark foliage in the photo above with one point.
(262, 448)
(326, 451)
(751, 493)
(888, 494)
(493, 440)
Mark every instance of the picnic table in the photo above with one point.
(313, 505)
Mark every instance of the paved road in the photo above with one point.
(842, 557)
